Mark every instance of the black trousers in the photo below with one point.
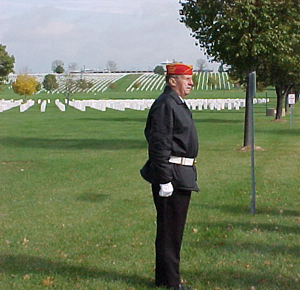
(171, 217)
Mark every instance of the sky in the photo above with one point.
(135, 34)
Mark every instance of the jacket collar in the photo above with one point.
(174, 95)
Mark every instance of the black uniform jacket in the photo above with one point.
(170, 131)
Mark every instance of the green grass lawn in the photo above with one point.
(75, 213)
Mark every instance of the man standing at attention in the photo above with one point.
(172, 149)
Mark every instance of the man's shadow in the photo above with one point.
(25, 264)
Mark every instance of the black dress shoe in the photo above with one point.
(183, 287)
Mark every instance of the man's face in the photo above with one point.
(182, 85)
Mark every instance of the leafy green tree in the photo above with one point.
(159, 70)
(195, 79)
(38, 86)
(59, 69)
(245, 34)
(58, 66)
(212, 81)
(71, 85)
(284, 73)
(137, 85)
(50, 83)
(25, 85)
(113, 86)
(6, 63)
(83, 84)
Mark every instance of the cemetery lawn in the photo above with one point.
(75, 213)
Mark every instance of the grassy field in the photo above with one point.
(75, 213)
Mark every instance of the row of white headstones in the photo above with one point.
(121, 105)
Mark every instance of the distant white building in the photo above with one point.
(164, 63)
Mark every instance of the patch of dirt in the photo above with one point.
(248, 149)
(279, 121)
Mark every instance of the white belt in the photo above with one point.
(182, 160)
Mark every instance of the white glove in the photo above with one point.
(166, 189)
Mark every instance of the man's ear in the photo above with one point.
(172, 82)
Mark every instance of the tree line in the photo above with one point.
(26, 85)
(58, 67)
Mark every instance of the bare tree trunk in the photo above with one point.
(279, 103)
(281, 92)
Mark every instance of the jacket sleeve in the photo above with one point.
(160, 142)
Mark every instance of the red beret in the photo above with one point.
(179, 69)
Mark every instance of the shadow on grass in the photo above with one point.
(278, 211)
(93, 197)
(259, 227)
(214, 239)
(77, 144)
(108, 119)
(245, 210)
(245, 279)
(280, 132)
(24, 264)
(218, 121)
